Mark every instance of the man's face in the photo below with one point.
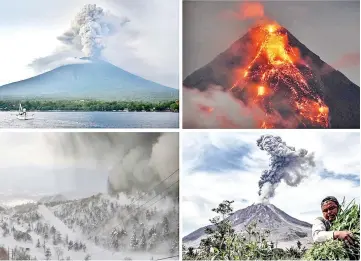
(329, 210)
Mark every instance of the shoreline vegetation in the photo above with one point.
(89, 105)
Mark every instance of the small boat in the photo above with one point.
(23, 114)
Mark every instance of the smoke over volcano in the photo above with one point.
(286, 163)
(88, 28)
(135, 160)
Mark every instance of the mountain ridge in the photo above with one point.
(96, 79)
(283, 227)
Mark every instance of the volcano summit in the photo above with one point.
(269, 69)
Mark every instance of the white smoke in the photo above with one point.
(225, 111)
(88, 29)
(286, 163)
(62, 56)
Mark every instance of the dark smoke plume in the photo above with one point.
(286, 163)
(136, 161)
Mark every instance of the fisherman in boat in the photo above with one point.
(23, 112)
(321, 228)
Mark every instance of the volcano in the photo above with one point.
(285, 229)
(270, 68)
(92, 79)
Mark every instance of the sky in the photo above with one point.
(330, 29)
(147, 46)
(227, 166)
(30, 168)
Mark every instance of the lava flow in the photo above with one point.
(273, 66)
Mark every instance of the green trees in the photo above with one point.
(88, 105)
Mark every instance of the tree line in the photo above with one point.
(89, 105)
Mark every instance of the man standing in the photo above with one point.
(321, 226)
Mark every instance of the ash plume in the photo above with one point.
(88, 29)
(286, 163)
(136, 161)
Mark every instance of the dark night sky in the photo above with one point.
(330, 29)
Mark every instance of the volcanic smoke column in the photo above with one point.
(88, 29)
(286, 164)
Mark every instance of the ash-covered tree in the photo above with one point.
(76, 246)
(148, 216)
(46, 236)
(48, 254)
(29, 228)
(46, 228)
(152, 242)
(39, 228)
(70, 245)
(174, 246)
(6, 232)
(59, 252)
(134, 241)
(87, 257)
(143, 242)
(165, 225)
(115, 243)
(152, 231)
(66, 240)
(20, 254)
(54, 240)
(58, 237)
(52, 230)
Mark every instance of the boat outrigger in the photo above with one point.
(23, 114)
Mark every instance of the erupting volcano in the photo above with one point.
(275, 65)
(270, 69)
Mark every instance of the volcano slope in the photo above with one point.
(269, 68)
(93, 79)
(284, 229)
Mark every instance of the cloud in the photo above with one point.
(337, 173)
(129, 34)
(246, 10)
(348, 60)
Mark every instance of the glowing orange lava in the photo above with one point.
(261, 90)
(274, 64)
(205, 108)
